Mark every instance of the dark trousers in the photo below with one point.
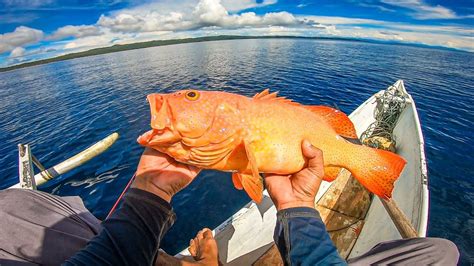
(40, 228)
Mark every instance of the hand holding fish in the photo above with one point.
(298, 189)
(162, 175)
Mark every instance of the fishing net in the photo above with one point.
(390, 105)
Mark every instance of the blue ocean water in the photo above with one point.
(63, 107)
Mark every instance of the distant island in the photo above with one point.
(140, 45)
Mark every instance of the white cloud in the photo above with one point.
(248, 19)
(340, 20)
(210, 12)
(17, 52)
(75, 31)
(446, 36)
(278, 18)
(284, 23)
(87, 43)
(13, 18)
(207, 13)
(421, 10)
(109, 38)
(147, 22)
(376, 6)
(356, 22)
(26, 3)
(19, 37)
(233, 5)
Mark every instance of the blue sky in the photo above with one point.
(36, 29)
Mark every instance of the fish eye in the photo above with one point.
(192, 95)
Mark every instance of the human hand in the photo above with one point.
(162, 175)
(298, 189)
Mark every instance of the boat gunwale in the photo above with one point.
(424, 211)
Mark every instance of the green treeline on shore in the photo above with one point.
(124, 47)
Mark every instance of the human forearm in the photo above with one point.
(302, 239)
(132, 235)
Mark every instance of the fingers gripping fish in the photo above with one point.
(263, 134)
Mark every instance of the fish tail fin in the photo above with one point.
(377, 170)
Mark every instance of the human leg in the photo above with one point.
(411, 251)
(40, 228)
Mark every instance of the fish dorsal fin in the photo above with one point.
(252, 183)
(339, 121)
(266, 95)
(261, 94)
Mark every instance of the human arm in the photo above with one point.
(300, 234)
(131, 236)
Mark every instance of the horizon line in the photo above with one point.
(156, 43)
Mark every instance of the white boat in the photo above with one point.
(246, 238)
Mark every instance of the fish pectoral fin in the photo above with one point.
(213, 153)
(251, 157)
(253, 184)
(237, 180)
(338, 120)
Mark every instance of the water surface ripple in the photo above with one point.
(63, 107)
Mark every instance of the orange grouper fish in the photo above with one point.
(263, 134)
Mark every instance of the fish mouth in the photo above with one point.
(157, 137)
(160, 112)
(162, 133)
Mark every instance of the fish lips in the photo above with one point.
(156, 137)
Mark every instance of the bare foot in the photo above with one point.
(203, 248)
(164, 259)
